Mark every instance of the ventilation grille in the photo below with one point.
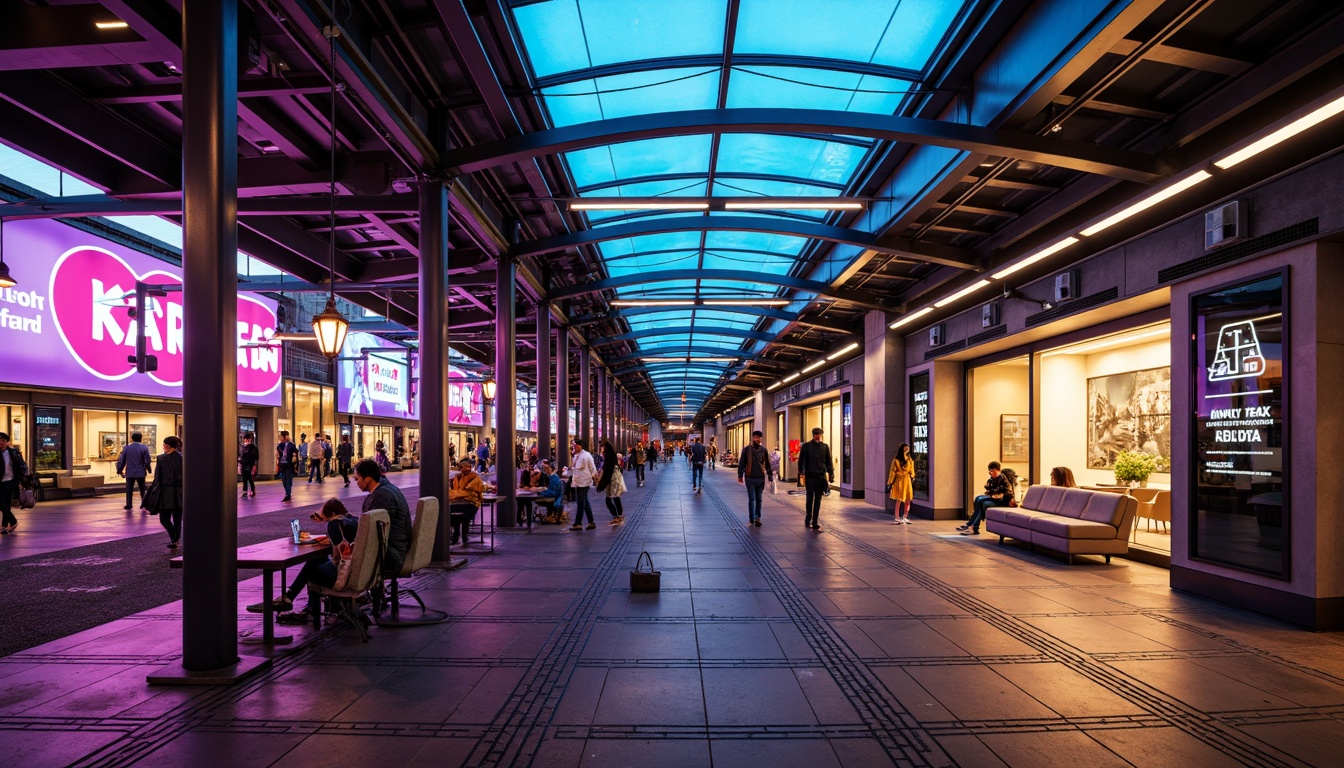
(951, 346)
(1240, 250)
(1071, 307)
(992, 333)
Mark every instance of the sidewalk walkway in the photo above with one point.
(867, 644)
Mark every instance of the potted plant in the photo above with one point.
(1134, 467)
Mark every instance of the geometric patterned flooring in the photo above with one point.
(867, 644)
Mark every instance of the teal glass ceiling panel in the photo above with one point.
(628, 265)
(632, 93)
(657, 286)
(647, 157)
(565, 35)
(770, 264)
(722, 287)
(769, 188)
(761, 242)
(667, 241)
(898, 34)
(810, 88)
(796, 156)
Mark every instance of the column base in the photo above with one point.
(176, 674)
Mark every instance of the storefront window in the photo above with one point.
(49, 437)
(16, 419)
(1000, 396)
(153, 428)
(98, 439)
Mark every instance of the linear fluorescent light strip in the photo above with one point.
(744, 302)
(844, 351)
(1109, 343)
(1035, 257)
(910, 318)
(699, 302)
(1148, 202)
(639, 206)
(1286, 132)
(772, 387)
(815, 365)
(783, 205)
(972, 288)
(111, 24)
(789, 378)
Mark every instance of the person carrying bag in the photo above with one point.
(164, 496)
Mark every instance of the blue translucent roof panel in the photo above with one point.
(898, 34)
(669, 241)
(647, 157)
(759, 262)
(627, 265)
(734, 287)
(654, 286)
(796, 156)
(808, 88)
(762, 242)
(565, 35)
(632, 93)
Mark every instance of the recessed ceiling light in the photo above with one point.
(1148, 202)
(111, 24)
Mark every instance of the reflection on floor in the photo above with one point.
(866, 644)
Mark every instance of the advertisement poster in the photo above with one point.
(375, 377)
(1240, 516)
(919, 432)
(69, 322)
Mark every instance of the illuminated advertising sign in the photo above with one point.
(69, 322)
(1240, 510)
(374, 378)
(919, 432)
(465, 400)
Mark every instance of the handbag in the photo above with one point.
(27, 498)
(888, 489)
(645, 581)
(152, 497)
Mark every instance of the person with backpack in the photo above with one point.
(997, 492)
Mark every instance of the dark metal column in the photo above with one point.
(585, 398)
(544, 382)
(562, 436)
(210, 334)
(506, 389)
(434, 464)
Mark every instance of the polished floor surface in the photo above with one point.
(866, 644)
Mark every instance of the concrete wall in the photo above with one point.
(883, 405)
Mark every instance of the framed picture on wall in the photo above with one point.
(149, 434)
(1129, 412)
(1014, 431)
(109, 445)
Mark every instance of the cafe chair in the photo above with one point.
(423, 529)
(1154, 506)
(365, 575)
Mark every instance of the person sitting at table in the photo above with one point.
(552, 497)
(341, 529)
(465, 494)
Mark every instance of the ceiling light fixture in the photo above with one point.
(911, 317)
(692, 302)
(844, 351)
(744, 302)
(1086, 348)
(774, 386)
(1290, 130)
(815, 365)
(331, 326)
(637, 205)
(793, 204)
(111, 24)
(1148, 202)
(790, 377)
(1045, 252)
(488, 388)
(972, 288)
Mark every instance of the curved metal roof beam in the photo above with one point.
(673, 331)
(774, 313)
(702, 176)
(683, 352)
(1048, 150)
(663, 276)
(714, 62)
(766, 224)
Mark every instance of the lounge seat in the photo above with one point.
(1073, 521)
(366, 573)
(423, 529)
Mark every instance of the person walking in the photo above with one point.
(818, 472)
(900, 482)
(303, 453)
(776, 461)
(581, 480)
(639, 458)
(483, 456)
(13, 470)
(753, 469)
(248, 458)
(286, 455)
(327, 453)
(696, 456)
(315, 450)
(345, 455)
(612, 482)
(652, 456)
(134, 465)
(165, 495)
(711, 453)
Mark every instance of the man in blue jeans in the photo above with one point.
(753, 469)
(286, 453)
(995, 495)
(697, 454)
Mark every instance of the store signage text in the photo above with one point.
(920, 439)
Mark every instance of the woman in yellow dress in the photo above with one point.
(900, 482)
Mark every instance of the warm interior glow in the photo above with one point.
(1148, 202)
(1111, 342)
(911, 317)
(973, 287)
(488, 388)
(1283, 134)
(1049, 250)
(111, 24)
(330, 328)
(6, 280)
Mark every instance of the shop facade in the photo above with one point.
(68, 393)
(833, 401)
(1215, 366)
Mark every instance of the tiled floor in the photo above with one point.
(866, 644)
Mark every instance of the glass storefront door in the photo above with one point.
(16, 426)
